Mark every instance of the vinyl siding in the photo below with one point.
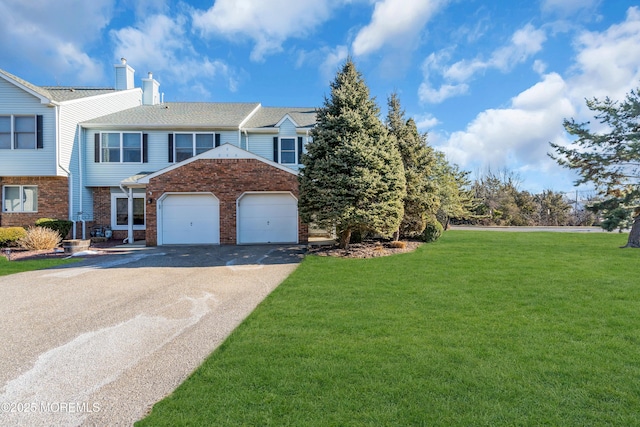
(14, 100)
(77, 111)
(261, 144)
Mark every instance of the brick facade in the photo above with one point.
(53, 200)
(227, 179)
(102, 214)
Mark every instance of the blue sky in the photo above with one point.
(490, 81)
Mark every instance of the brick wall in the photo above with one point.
(227, 179)
(53, 200)
(102, 214)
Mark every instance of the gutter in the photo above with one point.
(67, 171)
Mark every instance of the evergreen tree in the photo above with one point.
(610, 159)
(352, 178)
(455, 198)
(418, 159)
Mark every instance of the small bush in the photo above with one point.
(9, 236)
(398, 244)
(432, 231)
(60, 225)
(40, 238)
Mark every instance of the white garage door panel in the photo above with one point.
(268, 218)
(190, 219)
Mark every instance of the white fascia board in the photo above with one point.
(251, 114)
(102, 95)
(43, 99)
(286, 116)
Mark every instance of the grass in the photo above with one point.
(12, 267)
(479, 328)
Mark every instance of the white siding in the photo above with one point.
(71, 114)
(14, 100)
(230, 137)
(261, 144)
(287, 128)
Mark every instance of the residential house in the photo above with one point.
(169, 173)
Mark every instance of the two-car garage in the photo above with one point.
(194, 218)
(224, 196)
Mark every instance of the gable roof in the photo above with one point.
(173, 115)
(225, 151)
(268, 117)
(49, 94)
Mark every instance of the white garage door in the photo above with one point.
(268, 218)
(189, 219)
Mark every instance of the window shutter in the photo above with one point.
(145, 147)
(170, 148)
(39, 136)
(96, 145)
(299, 150)
(275, 150)
(217, 140)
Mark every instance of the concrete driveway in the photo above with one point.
(99, 342)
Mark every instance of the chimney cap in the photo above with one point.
(150, 75)
(123, 60)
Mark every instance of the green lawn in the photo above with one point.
(12, 267)
(480, 328)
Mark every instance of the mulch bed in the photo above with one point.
(366, 249)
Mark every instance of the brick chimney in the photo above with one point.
(124, 75)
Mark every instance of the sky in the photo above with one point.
(490, 82)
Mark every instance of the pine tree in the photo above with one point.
(420, 201)
(352, 178)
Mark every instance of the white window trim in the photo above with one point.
(114, 212)
(295, 149)
(122, 148)
(12, 131)
(193, 143)
(4, 208)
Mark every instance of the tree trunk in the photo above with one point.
(634, 234)
(345, 237)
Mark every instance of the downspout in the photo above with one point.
(80, 176)
(129, 195)
(67, 171)
(246, 137)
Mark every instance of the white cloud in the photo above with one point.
(332, 62)
(524, 43)
(267, 24)
(54, 35)
(518, 135)
(395, 22)
(424, 122)
(607, 62)
(161, 44)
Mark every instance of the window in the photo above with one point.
(20, 198)
(120, 147)
(120, 212)
(287, 150)
(187, 145)
(20, 132)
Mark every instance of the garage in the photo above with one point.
(189, 219)
(267, 218)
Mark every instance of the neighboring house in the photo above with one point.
(170, 173)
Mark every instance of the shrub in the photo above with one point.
(432, 231)
(60, 225)
(40, 238)
(9, 236)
